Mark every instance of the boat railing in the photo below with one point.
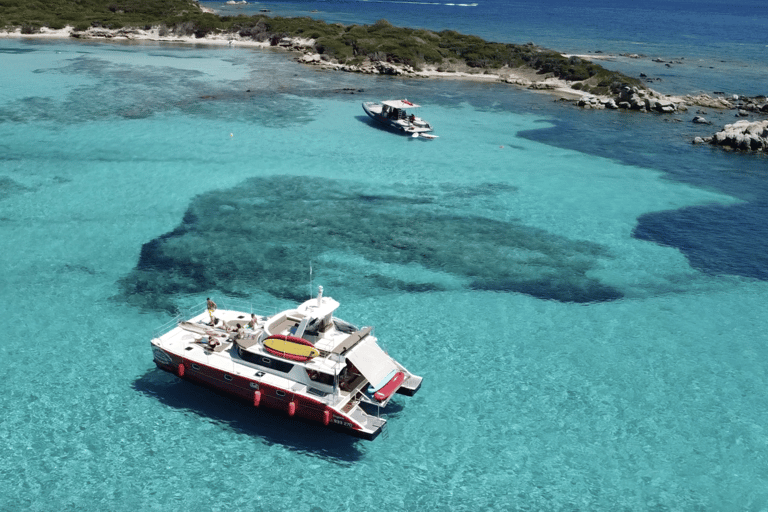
(248, 307)
(167, 326)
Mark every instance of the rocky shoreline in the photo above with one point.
(744, 135)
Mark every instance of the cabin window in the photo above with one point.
(255, 385)
(266, 362)
(227, 377)
(320, 377)
(195, 366)
(279, 392)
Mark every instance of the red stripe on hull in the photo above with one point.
(241, 387)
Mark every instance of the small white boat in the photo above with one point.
(304, 362)
(394, 114)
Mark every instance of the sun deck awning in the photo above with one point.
(371, 361)
(403, 104)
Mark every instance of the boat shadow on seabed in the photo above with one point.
(272, 426)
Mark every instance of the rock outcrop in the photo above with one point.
(597, 102)
(742, 135)
(634, 98)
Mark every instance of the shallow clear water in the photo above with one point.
(589, 324)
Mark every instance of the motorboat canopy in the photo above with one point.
(401, 104)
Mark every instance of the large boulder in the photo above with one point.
(743, 135)
(664, 106)
(635, 98)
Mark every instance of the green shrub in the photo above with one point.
(333, 48)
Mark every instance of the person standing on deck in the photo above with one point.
(211, 307)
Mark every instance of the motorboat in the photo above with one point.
(304, 362)
(394, 115)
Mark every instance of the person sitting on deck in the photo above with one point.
(213, 342)
(254, 322)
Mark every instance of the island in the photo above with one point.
(380, 48)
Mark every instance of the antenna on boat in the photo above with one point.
(310, 279)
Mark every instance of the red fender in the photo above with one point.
(326, 417)
(291, 408)
(181, 369)
(256, 398)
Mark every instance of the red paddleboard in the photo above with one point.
(390, 387)
(294, 339)
(290, 347)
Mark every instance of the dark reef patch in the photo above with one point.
(264, 233)
(10, 187)
(716, 239)
(124, 91)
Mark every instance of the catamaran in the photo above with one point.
(303, 361)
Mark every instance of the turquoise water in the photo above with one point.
(579, 352)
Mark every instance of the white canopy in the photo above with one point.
(371, 361)
(404, 104)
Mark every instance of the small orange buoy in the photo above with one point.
(256, 398)
(181, 369)
(291, 408)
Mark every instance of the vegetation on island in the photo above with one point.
(31, 15)
(351, 45)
